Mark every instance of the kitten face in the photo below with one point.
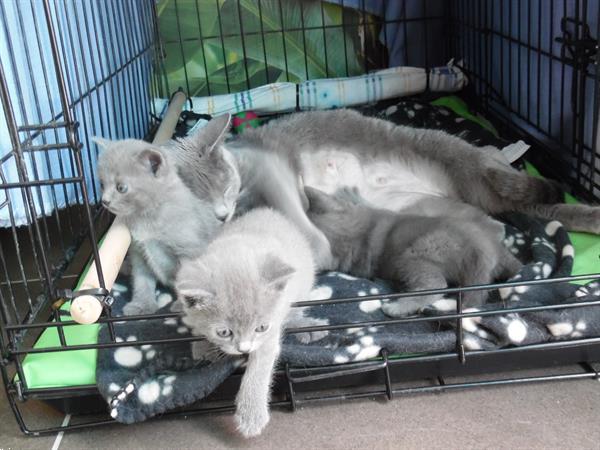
(132, 174)
(233, 333)
(215, 173)
(235, 308)
(222, 183)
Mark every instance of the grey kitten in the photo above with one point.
(393, 167)
(416, 252)
(235, 181)
(141, 185)
(238, 295)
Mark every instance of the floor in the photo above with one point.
(548, 415)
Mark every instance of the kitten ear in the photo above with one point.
(189, 293)
(215, 131)
(195, 298)
(275, 272)
(319, 201)
(209, 137)
(154, 161)
(102, 143)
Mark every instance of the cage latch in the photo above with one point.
(319, 373)
(64, 295)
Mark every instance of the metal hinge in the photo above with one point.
(578, 46)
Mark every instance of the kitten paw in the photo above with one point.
(134, 308)
(251, 420)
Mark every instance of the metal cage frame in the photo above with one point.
(46, 262)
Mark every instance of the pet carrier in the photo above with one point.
(71, 70)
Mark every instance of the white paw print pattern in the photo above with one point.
(147, 393)
(594, 288)
(512, 293)
(321, 293)
(544, 242)
(519, 239)
(133, 356)
(514, 242)
(567, 329)
(163, 299)
(541, 270)
(362, 350)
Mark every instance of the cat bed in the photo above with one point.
(141, 381)
(43, 370)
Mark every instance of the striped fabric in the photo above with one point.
(333, 92)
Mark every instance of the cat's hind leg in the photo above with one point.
(415, 274)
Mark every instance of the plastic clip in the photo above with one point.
(103, 296)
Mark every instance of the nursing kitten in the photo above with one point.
(142, 186)
(238, 295)
(393, 167)
(416, 252)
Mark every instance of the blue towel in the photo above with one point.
(101, 84)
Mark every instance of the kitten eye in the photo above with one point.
(121, 188)
(224, 332)
(262, 328)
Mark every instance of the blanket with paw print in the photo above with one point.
(142, 380)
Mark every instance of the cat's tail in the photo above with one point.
(581, 218)
(517, 188)
(541, 198)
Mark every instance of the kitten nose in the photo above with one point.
(105, 203)
(221, 212)
(244, 347)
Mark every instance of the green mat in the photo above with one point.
(64, 368)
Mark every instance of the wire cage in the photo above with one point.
(71, 70)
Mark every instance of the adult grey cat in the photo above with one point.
(238, 295)
(393, 167)
(414, 251)
(142, 184)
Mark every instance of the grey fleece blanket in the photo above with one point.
(141, 381)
